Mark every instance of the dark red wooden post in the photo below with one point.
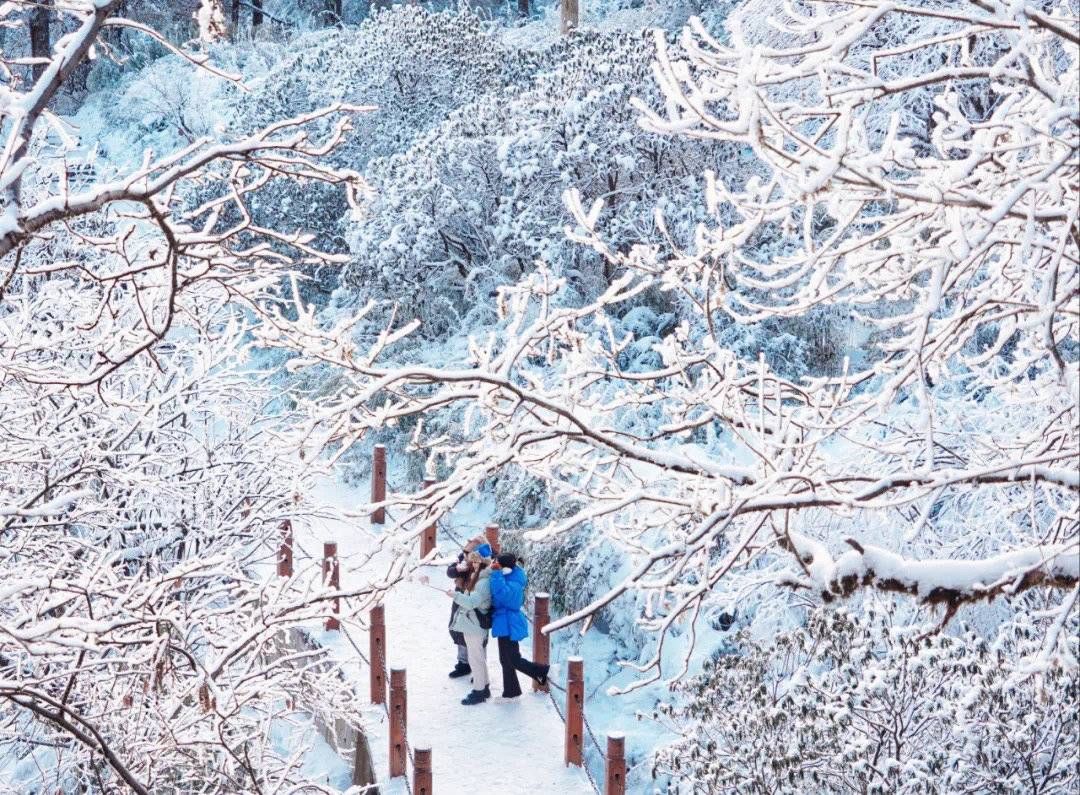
(285, 551)
(575, 705)
(541, 643)
(377, 653)
(399, 752)
(427, 539)
(615, 779)
(491, 533)
(378, 483)
(331, 571)
(422, 771)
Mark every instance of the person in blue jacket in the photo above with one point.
(508, 624)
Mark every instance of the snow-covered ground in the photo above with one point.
(507, 747)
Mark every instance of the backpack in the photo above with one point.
(483, 617)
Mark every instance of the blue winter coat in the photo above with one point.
(507, 598)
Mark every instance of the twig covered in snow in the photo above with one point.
(144, 478)
(914, 170)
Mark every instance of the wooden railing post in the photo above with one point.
(285, 551)
(568, 17)
(422, 771)
(377, 653)
(575, 716)
(427, 539)
(399, 746)
(491, 535)
(541, 643)
(331, 571)
(615, 777)
(378, 483)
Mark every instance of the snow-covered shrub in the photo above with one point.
(475, 202)
(413, 65)
(866, 703)
(915, 468)
(147, 464)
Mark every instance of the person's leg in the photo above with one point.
(530, 669)
(474, 642)
(508, 653)
(462, 667)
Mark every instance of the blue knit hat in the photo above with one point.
(484, 550)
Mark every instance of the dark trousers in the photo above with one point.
(511, 660)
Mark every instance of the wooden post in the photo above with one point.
(427, 538)
(399, 752)
(331, 571)
(377, 653)
(615, 778)
(568, 17)
(541, 643)
(575, 716)
(422, 771)
(285, 551)
(378, 483)
(491, 534)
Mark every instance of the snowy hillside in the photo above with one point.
(753, 329)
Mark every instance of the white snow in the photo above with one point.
(475, 749)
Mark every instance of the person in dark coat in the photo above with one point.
(508, 624)
(458, 571)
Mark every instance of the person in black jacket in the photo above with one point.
(457, 571)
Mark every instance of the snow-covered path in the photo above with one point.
(511, 748)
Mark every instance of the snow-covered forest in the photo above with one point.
(754, 326)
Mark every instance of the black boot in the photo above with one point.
(477, 697)
(461, 669)
(542, 679)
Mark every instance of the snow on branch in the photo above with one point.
(948, 582)
(143, 482)
(905, 198)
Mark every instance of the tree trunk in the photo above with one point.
(333, 12)
(569, 16)
(256, 16)
(523, 8)
(234, 18)
(39, 37)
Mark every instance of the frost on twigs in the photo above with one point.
(911, 172)
(144, 485)
(859, 702)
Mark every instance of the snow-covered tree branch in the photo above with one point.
(914, 173)
(144, 477)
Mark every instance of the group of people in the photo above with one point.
(488, 594)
